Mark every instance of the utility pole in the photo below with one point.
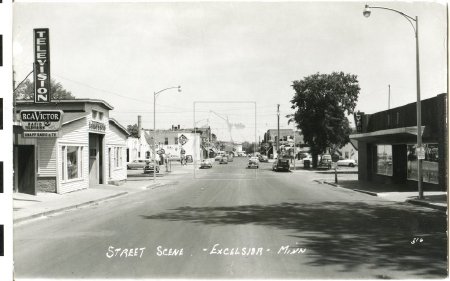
(278, 128)
(389, 97)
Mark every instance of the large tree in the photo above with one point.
(322, 103)
(25, 91)
(133, 130)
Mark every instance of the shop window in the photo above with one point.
(430, 165)
(71, 162)
(166, 141)
(384, 160)
(176, 140)
(97, 115)
(94, 114)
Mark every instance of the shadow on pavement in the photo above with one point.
(376, 187)
(343, 233)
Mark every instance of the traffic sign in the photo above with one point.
(420, 152)
(183, 139)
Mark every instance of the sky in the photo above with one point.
(246, 53)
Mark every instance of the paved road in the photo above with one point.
(233, 222)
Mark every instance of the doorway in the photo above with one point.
(25, 169)
(95, 158)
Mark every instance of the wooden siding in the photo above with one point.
(46, 157)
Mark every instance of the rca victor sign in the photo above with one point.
(41, 123)
(42, 66)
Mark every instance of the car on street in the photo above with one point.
(347, 162)
(150, 167)
(281, 164)
(218, 157)
(325, 161)
(189, 159)
(223, 160)
(205, 164)
(136, 164)
(263, 158)
(253, 162)
(230, 157)
(174, 158)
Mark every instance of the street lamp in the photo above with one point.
(415, 25)
(154, 127)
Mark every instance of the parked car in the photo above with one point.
(218, 157)
(136, 164)
(150, 168)
(230, 158)
(281, 164)
(263, 158)
(189, 159)
(223, 160)
(325, 161)
(347, 162)
(205, 164)
(253, 162)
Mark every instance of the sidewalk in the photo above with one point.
(391, 192)
(27, 207)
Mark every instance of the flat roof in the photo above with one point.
(95, 101)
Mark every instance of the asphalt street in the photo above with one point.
(234, 222)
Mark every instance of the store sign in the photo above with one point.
(41, 66)
(358, 121)
(40, 134)
(97, 126)
(41, 120)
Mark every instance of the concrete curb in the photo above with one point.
(411, 201)
(51, 212)
(426, 204)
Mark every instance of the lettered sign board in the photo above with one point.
(42, 65)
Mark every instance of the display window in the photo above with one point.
(71, 162)
(430, 165)
(384, 160)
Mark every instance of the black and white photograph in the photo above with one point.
(229, 140)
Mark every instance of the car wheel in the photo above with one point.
(351, 165)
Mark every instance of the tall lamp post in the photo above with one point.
(155, 94)
(415, 25)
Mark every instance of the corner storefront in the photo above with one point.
(387, 145)
(80, 148)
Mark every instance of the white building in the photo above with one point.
(87, 149)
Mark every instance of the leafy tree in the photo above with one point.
(322, 102)
(26, 91)
(133, 130)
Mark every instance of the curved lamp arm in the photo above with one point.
(410, 19)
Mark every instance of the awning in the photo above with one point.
(397, 135)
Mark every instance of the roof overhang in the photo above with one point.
(396, 135)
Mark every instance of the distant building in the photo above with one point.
(286, 142)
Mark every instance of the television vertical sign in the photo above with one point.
(41, 66)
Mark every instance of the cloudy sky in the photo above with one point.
(230, 51)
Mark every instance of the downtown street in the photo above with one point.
(233, 222)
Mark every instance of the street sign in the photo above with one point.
(420, 152)
(183, 139)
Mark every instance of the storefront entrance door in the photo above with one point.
(95, 159)
(25, 169)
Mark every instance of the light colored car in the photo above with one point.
(253, 162)
(205, 164)
(263, 158)
(347, 162)
(136, 164)
(218, 157)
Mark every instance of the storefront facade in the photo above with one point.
(387, 145)
(89, 148)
